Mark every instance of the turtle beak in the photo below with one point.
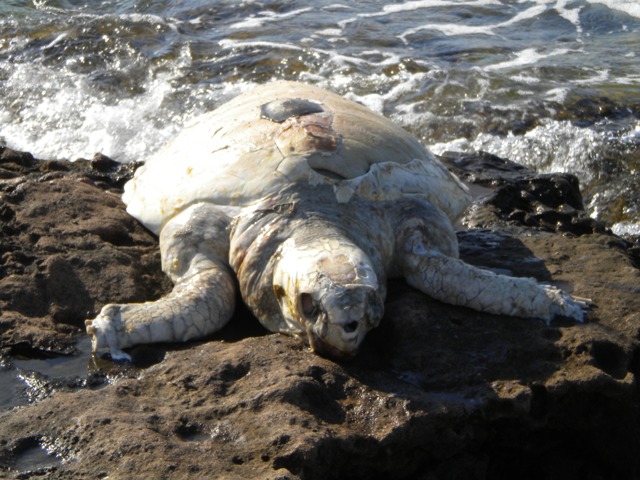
(322, 348)
(341, 319)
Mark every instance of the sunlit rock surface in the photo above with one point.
(438, 392)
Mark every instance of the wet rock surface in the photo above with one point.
(438, 392)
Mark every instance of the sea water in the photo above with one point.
(551, 84)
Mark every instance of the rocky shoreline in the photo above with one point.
(438, 392)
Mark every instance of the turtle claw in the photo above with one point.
(566, 305)
(104, 332)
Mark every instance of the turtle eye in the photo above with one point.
(308, 308)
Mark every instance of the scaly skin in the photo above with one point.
(198, 305)
(194, 247)
(308, 267)
(424, 234)
(440, 277)
(312, 202)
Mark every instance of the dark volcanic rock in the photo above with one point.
(484, 168)
(438, 392)
(551, 202)
(67, 247)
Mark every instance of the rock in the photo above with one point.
(20, 159)
(438, 392)
(67, 247)
(551, 202)
(484, 168)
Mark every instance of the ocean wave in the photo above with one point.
(62, 115)
(534, 81)
(264, 17)
(630, 7)
(601, 156)
(627, 229)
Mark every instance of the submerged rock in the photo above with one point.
(437, 392)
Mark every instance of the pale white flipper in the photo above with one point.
(195, 308)
(427, 254)
(452, 281)
(289, 163)
(194, 248)
(429, 180)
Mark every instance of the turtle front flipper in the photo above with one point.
(452, 281)
(196, 307)
(194, 247)
(427, 257)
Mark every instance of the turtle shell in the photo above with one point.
(280, 134)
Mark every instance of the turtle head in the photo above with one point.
(329, 297)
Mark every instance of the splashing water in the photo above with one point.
(552, 84)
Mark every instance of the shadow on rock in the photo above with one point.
(438, 392)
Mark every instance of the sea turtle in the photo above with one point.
(308, 203)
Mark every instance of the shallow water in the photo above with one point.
(60, 366)
(24, 380)
(552, 84)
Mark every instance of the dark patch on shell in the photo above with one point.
(282, 109)
(308, 134)
(321, 135)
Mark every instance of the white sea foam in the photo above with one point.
(230, 43)
(421, 4)
(555, 146)
(56, 40)
(329, 32)
(147, 18)
(267, 16)
(529, 56)
(525, 78)
(456, 29)
(630, 7)
(570, 14)
(384, 98)
(336, 7)
(61, 115)
(557, 95)
(627, 229)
